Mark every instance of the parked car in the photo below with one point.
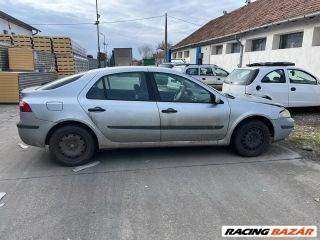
(280, 82)
(126, 107)
(209, 74)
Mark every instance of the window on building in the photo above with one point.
(258, 44)
(186, 54)
(179, 54)
(235, 47)
(5, 31)
(292, 40)
(276, 76)
(316, 37)
(217, 50)
(174, 55)
(301, 77)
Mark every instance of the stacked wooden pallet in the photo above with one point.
(42, 43)
(12, 83)
(5, 39)
(21, 59)
(61, 45)
(22, 41)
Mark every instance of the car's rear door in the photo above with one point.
(188, 114)
(207, 76)
(121, 106)
(273, 84)
(304, 89)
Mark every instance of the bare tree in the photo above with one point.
(146, 51)
(161, 45)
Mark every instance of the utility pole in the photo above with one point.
(98, 34)
(165, 37)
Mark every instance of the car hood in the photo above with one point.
(257, 99)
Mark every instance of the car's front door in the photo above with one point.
(121, 106)
(273, 85)
(188, 113)
(304, 90)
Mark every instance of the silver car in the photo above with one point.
(127, 107)
(209, 74)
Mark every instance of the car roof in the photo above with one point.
(110, 70)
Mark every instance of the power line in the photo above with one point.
(184, 21)
(93, 23)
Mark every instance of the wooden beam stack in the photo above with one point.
(42, 43)
(22, 41)
(5, 39)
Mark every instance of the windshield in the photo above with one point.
(242, 76)
(61, 82)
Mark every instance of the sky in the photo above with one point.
(118, 33)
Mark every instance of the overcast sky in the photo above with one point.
(122, 34)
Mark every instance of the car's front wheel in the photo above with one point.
(251, 138)
(72, 145)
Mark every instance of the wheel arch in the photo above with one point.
(263, 119)
(69, 123)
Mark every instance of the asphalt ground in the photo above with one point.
(168, 193)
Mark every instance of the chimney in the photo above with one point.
(248, 2)
(225, 12)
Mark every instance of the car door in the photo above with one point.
(121, 107)
(188, 113)
(220, 75)
(273, 85)
(207, 76)
(193, 72)
(304, 89)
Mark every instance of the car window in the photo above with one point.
(301, 77)
(276, 76)
(206, 71)
(61, 82)
(220, 72)
(242, 76)
(122, 86)
(192, 71)
(178, 89)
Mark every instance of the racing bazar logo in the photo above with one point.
(269, 231)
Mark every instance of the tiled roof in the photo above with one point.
(256, 14)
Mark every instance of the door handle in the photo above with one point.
(219, 78)
(293, 89)
(258, 88)
(203, 78)
(169, 110)
(96, 109)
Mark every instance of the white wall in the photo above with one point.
(307, 56)
(14, 28)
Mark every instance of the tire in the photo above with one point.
(251, 138)
(72, 145)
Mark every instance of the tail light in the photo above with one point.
(24, 107)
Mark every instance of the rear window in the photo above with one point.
(242, 76)
(61, 82)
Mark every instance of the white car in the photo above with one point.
(210, 74)
(280, 82)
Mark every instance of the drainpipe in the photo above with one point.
(241, 52)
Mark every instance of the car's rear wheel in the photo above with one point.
(251, 138)
(72, 145)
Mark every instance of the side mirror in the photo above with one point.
(215, 100)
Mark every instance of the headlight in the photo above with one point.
(284, 114)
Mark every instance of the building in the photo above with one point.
(12, 26)
(264, 30)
